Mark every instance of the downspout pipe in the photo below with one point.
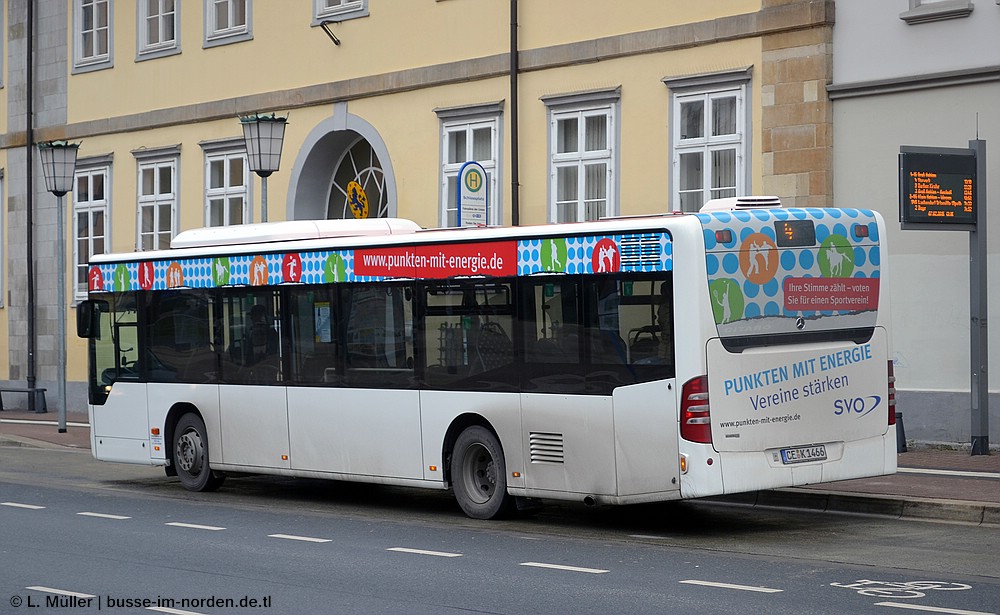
(515, 217)
(29, 163)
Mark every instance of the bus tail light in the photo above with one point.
(724, 236)
(892, 395)
(696, 424)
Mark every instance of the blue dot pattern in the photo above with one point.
(637, 253)
(766, 299)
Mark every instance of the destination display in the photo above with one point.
(794, 233)
(937, 188)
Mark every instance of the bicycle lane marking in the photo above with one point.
(932, 609)
(900, 589)
(909, 590)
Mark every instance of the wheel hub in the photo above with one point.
(189, 452)
(482, 474)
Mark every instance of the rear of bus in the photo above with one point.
(799, 375)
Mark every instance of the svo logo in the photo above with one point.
(858, 406)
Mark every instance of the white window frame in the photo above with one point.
(226, 151)
(88, 170)
(467, 120)
(710, 89)
(327, 10)
(215, 36)
(159, 201)
(581, 107)
(165, 46)
(94, 61)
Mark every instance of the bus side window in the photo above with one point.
(253, 337)
(643, 342)
(552, 333)
(553, 336)
(645, 320)
(127, 338)
(466, 342)
(378, 336)
(315, 334)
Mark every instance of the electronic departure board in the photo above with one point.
(937, 188)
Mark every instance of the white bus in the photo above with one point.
(628, 360)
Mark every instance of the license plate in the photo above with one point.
(803, 454)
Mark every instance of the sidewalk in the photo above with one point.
(23, 428)
(932, 484)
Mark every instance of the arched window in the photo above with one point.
(358, 185)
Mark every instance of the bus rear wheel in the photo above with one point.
(190, 457)
(479, 475)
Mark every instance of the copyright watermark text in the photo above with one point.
(73, 600)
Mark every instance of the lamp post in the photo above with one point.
(263, 135)
(59, 166)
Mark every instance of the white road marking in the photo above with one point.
(61, 592)
(931, 609)
(964, 473)
(567, 568)
(300, 538)
(16, 505)
(746, 588)
(103, 516)
(649, 537)
(163, 609)
(32, 422)
(195, 526)
(422, 552)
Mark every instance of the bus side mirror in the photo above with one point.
(88, 318)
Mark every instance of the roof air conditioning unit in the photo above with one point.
(734, 203)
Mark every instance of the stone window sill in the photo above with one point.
(937, 11)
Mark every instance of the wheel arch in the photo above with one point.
(170, 424)
(458, 425)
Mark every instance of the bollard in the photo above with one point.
(900, 434)
(38, 395)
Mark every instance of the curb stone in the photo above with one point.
(903, 507)
(897, 507)
(12, 441)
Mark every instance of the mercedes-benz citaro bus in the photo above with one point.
(628, 360)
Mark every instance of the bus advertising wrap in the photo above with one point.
(786, 270)
(773, 397)
(439, 261)
(650, 251)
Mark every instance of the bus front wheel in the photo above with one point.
(479, 474)
(191, 455)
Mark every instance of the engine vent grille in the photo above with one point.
(546, 447)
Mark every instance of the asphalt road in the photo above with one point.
(80, 536)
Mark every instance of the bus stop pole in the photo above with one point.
(978, 309)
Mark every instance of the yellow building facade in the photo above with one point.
(577, 109)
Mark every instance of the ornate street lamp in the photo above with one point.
(263, 135)
(59, 166)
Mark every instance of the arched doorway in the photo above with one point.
(343, 165)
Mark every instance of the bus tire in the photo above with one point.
(479, 475)
(190, 457)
